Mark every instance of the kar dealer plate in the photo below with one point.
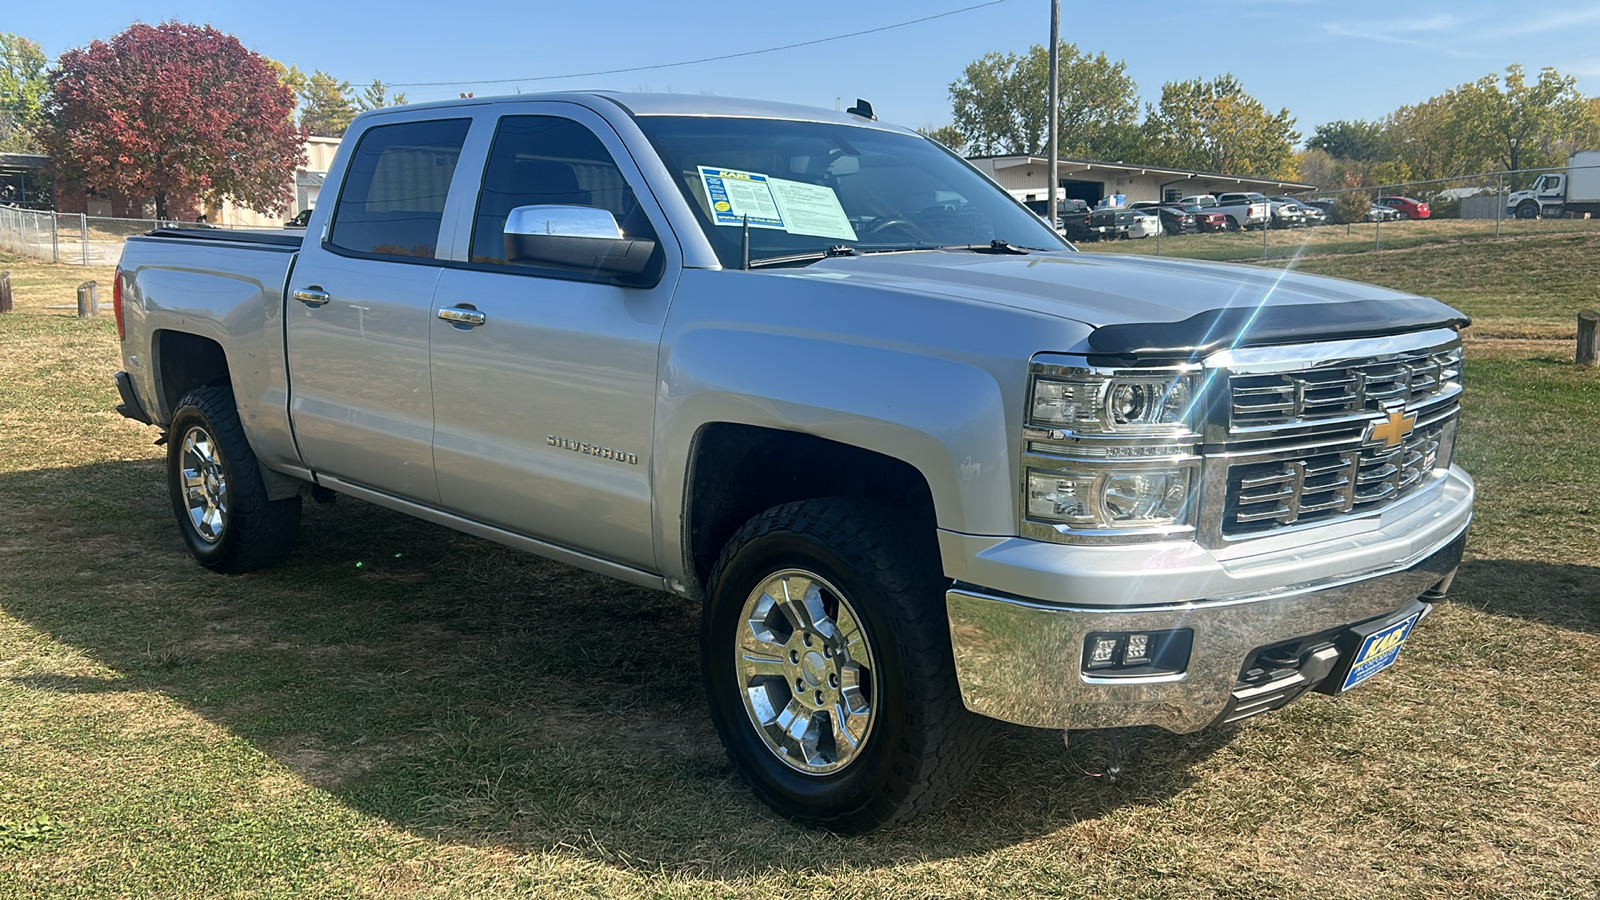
(1379, 651)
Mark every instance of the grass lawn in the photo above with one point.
(404, 711)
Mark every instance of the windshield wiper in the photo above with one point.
(808, 257)
(995, 246)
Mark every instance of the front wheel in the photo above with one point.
(218, 495)
(1528, 210)
(825, 650)
(1233, 224)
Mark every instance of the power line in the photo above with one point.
(691, 62)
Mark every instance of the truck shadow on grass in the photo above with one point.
(466, 692)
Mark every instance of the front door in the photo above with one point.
(543, 413)
(360, 312)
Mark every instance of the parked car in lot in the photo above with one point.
(1313, 215)
(1383, 214)
(1287, 215)
(1407, 207)
(1245, 210)
(1072, 217)
(1145, 223)
(1205, 220)
(920, 464)
(1174, 219)
(1109, 223)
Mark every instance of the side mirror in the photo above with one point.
(574, 237)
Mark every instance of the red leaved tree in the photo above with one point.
(170, 110)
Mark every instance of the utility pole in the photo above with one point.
(1055, 93)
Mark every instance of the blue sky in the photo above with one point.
(1323, 60)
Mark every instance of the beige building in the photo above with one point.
(307, 185)
(1027, 178)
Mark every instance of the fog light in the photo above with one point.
(1104, 652)
(1138, 651)
(1116, 654)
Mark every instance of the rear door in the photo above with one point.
(543, 413)
(360, 310)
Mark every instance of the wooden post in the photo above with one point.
(5, 292)
(1588, 337)
(88, 300)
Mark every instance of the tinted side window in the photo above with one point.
(545, 160)
(395, 188)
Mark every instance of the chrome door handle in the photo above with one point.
(312, 296)
(462, 316)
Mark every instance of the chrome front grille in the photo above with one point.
(1275, 400)
(1305, 485)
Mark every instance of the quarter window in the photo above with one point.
(393, 197)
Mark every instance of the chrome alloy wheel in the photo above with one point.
(806, 669)
(205, 485)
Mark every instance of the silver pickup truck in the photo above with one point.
(926, 465)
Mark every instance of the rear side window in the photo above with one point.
(395, 188)
(545, 160)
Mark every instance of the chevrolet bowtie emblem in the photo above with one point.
(1392, 430)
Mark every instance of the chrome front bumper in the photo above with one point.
(1019, 659)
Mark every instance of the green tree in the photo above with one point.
(1365, 141)
(326, 105)
(1316, 166)
(1001, 104)
(24, 80)
(1518, 125)
(1215, 126)
(1419, 136)
(375, 96)
(948, 135)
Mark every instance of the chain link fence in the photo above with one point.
(72, 238)
(1485, 206)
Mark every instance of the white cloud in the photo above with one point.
(1430, 32)
(1552, 22)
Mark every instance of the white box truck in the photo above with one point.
(1575, 191)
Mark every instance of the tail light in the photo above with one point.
(116, 301)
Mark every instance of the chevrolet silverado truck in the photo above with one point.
(925, 464)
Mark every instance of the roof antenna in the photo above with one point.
(744, 245)
(862, 109)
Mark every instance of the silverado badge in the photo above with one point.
(1392, 430)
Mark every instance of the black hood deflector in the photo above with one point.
(1295, 323)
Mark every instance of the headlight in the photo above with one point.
(1110, 455)
(1109, 498)
(1133, 404)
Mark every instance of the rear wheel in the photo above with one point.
(1233, 224)
(825, 650)
(217, 492)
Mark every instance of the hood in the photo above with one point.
(1097, 289)
(1122, 296)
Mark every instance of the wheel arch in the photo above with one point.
(184, 362)
(736, 471)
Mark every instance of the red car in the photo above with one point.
(1407, 207)
(1207, 221)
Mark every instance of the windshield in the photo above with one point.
(806, 187)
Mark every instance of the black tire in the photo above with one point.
(921, 742)
(1232, 224)
(238, 528)
(1527, 209)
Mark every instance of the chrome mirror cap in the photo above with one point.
(564, 221)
